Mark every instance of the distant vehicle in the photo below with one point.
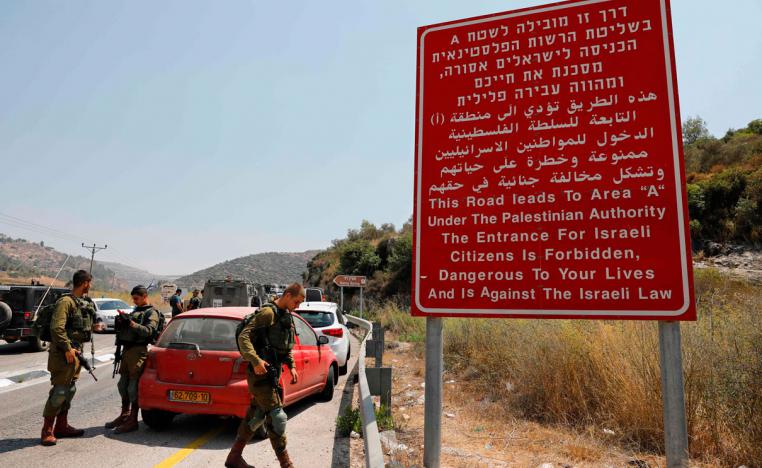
(314, 295)
(273, 291)
(18, 305)
(195, 368)
(326, 319)
(106, 310)
(231, 293)
(167, 291)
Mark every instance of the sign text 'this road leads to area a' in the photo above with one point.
(549, 175)
(350, 281)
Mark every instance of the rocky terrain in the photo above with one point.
(268, 267)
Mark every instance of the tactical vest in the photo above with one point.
(281, 335)
(128, 335)
(79, 324)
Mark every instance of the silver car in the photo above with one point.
(106, 310)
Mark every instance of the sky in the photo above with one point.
(185, 133)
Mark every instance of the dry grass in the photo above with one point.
(600, 374)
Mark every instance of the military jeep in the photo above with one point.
(232, 293)
(18, 306)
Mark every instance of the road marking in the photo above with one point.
(181, 454)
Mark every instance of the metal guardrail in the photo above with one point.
(374, 456)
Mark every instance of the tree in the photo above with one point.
(694, 129)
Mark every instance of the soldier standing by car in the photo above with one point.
(269, 335)
(195, 301)
(176, 302)
(71, 325)
(134, 332)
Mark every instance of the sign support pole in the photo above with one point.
(432, 427)
(342, 298)
(673, 395)
(361, 302)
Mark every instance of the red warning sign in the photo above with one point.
(549, 176)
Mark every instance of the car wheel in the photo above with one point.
(327, 393)
(36, 344)
(343, 369)
(157, 419)
(5, 314)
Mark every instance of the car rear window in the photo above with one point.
(112, 305)
(316, 319)
(213, 334)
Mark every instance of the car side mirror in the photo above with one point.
(322, 339)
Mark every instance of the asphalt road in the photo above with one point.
(190, 442)
(17, 356)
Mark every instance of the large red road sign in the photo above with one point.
(350, 281)
(549, 176)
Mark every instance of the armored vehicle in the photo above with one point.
(232, 293)
(18, 306)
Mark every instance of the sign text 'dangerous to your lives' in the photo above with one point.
(549, 173)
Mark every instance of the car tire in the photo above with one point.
(5, 315)
(36, 344)
(157, 419)
(327, 393)
(343, 369)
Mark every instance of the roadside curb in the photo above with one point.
(13, 380)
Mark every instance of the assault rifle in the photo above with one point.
(274, 369)
(84, 362)
(121, 320)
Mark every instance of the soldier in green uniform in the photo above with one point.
(268, 337)
(71, 325)
(195, 301)
(134, 333)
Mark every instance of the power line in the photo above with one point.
(93, 248)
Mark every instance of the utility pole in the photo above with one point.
(93, 248)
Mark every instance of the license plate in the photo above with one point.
(190, 397)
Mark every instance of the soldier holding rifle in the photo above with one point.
(135, 331)
(71, 325)
(266, 342)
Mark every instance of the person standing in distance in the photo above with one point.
(134, 334)
(176, 302)
(271, 327)
(71, 325)
(195, 301)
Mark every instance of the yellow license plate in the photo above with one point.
(190, 397)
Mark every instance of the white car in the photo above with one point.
(106, 310)
(326, 319)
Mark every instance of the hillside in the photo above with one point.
(133, 276)
(268, 267)
(24, 260)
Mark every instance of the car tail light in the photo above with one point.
(27, 316)
(337, 332)
(151, 361)
(239, 366)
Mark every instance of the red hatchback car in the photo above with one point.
(195, 368)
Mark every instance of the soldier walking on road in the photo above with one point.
(195, 301)
(266, 342)
(134, 332)
(176, 302)
(71, 325)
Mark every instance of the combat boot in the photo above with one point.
(131, 423)
(235, 457)
(285, 461)
(63, 429)
(47, 438)
(122, 417)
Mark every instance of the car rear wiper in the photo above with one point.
(185, 345)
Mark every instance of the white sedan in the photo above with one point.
(326, 320)
(106, 310)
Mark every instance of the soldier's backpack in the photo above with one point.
(41, 324)
(246, 320)
(159, 326)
